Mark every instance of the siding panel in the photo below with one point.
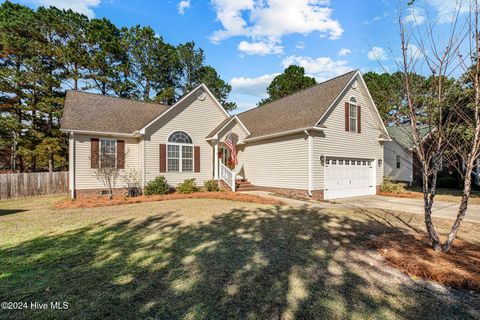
(280, 163)
(405, 173)
(84, 179)
(195, 117)
(336, 142)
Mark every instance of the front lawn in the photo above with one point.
(211, 259)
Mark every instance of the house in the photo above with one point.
(325, 142)
(400, 164)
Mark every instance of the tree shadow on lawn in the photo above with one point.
(269, 263)
(6, 212)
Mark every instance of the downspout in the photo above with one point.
(310, 162)
(72, 166)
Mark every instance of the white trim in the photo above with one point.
(71, 164)
(142, 131)
(136, 134)
(215, 137)
(180, 152)
(310, 162)
(283, 133)
(215, 160)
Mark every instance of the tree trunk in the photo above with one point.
(462, 210)
(51, 166)
(428, 198)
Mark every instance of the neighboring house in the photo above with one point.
(400, 163)
(325, 141)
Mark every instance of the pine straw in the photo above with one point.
(459, 268)
(408, 195)
(93, 202)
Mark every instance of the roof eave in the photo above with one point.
(283, 133)
(135, 134)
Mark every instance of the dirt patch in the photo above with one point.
(459, 268)
(92, 202)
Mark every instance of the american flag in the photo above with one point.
(229, 143)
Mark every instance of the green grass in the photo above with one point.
(210, 259)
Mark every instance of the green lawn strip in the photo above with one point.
(205, 258)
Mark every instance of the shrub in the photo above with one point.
(447, 182)
(187, 186)
(157, 186)
(211, 185)
(388, 185)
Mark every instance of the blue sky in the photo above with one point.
(250, 41)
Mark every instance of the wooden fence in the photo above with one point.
(17, 185)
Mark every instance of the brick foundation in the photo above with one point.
(294, 193)
(83, 193)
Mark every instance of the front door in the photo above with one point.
(225, 155)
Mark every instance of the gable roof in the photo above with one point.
(403, 136)
(300, 110)
(100, 113)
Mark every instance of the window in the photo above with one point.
(353, 115)
(179, 152)
(108, 153)
(398, 162)
(347, 162)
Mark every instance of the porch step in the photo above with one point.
(241, 185)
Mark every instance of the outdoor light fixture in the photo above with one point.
(380, 162)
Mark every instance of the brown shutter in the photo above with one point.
(196, 155)
(347, 116)
(120, 154)
(359, 119)
(163, 158)
(94, 151)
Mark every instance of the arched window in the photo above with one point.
(180, 137)
(179, 152)
(353, 115)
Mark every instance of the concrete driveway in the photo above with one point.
(440, 208)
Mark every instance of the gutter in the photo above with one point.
(284, 133)
(135, 134)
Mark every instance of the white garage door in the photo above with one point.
(349, 178)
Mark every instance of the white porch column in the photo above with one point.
(215, 161)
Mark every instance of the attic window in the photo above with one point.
(353, 115)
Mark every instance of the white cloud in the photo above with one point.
(260, 48)
(270, 20)
(414, 52)
(80, 6)
(447, 9)
(344, 52)
(256, 87)
(183, 6)
(377, 18)
(415, 16)
(377, 53)
(322, 68)
(300, 45)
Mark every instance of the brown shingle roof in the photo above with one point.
(299, 110)
(95, 112)
(218, 128)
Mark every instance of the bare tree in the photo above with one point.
(427, 102)
(466, 144)
(132, 179)
(107, 172)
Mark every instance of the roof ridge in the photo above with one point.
(120, 98)
(300, 91)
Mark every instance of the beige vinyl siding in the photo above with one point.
(84, 179)
(280, 163)
(195, 117)
(334, 141)
(405, 173)
(235, 128)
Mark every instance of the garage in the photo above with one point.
(349, 178)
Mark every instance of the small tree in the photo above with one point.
(107, 172)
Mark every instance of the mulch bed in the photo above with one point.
(409, 195)
(459, 268)
(92, 202)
